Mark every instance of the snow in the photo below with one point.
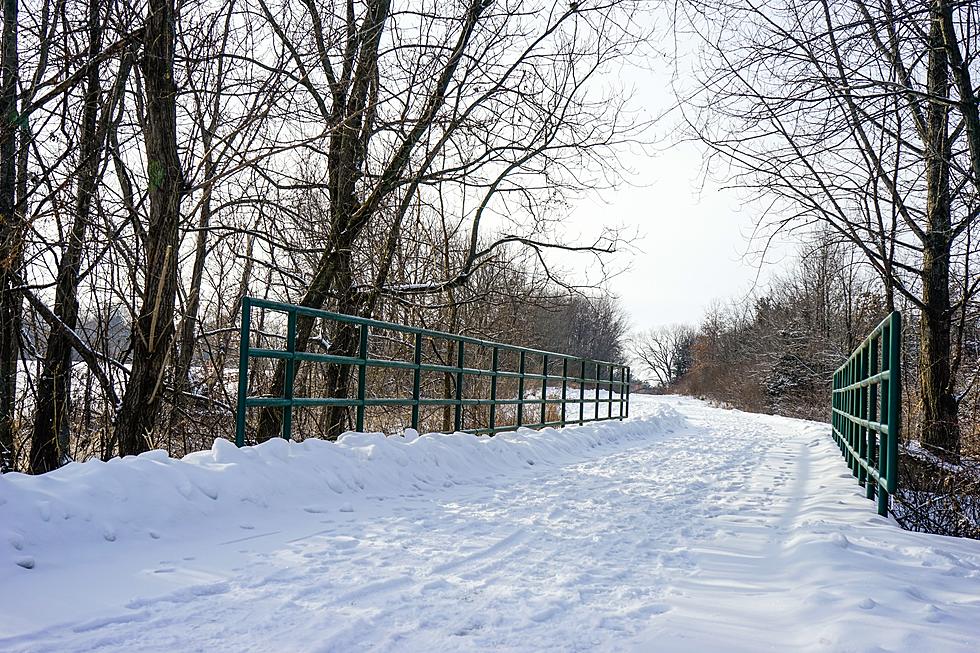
(683, 528)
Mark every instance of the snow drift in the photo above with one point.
(153, 496)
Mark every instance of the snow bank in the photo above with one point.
(153, 496)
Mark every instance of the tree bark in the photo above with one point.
(153, 332)
(50, 438)
(940, 426)
(11, 235)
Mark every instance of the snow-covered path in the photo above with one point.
(721, 532)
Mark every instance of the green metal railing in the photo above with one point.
(867, 409)
(575, 374)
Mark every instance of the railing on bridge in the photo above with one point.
(867, 393)
(564, 381)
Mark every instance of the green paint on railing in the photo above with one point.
(459, 372)
(867, 410)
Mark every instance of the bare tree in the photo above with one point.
(663, 351)
(490, 119)
(11, 233)
(861, 117)
(50, 440)
(369, 157)
(153, 332)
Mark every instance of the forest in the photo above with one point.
(159, 161)
(162, 161)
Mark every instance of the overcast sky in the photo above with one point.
(693, 234)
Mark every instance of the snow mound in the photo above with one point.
(154, 496)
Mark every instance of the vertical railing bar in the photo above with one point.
(612, 371)
(544, 389)
(521, 365)
(883, 453)
(290, 380)
(362, 378)
(622, 390)
(460, 360)
(564, 389)
(495, 365)
(848, 411)
(417, 380)
(894, 402)
(871, 489)
(243, 352)
(863, 430)
(629, 384)
(581, 397)
(855, 408)
(598, 377)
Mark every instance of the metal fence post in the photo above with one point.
(460, 359)
(873, 414)
(362, 355)
(581, 397)
(495, 365)
(521, 367)
(417, 381)
(598, 377)
(629, 381)
(863, 412)
(612, 373)
(894, 402)
(544, 389)
(287, 411)
(243, 371)
(622, 390)
(564, 389)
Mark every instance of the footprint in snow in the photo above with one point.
(316, 510)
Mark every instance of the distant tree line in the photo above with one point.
(775, 352)
(859, 120)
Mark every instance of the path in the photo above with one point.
(736, 532)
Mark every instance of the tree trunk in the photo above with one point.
(188, 326)
(153, 332)
(334, 274)
(11, 236)
(940, 426)
(50, 439)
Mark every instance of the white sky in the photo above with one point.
(693, 234)
(692, 242)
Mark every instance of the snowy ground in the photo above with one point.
(686, 528)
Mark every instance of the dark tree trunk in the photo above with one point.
(940, 425)
(11, 235)
(343, 343)
(352, 114)
(153, 332)
(188, 326)
(50, 439)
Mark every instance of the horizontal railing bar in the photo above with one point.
(401, 328)
(865, 464)
(307, 356)
(874, 426)
(255, 402)
(425, 367)
(880, 377)
(866, 343)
